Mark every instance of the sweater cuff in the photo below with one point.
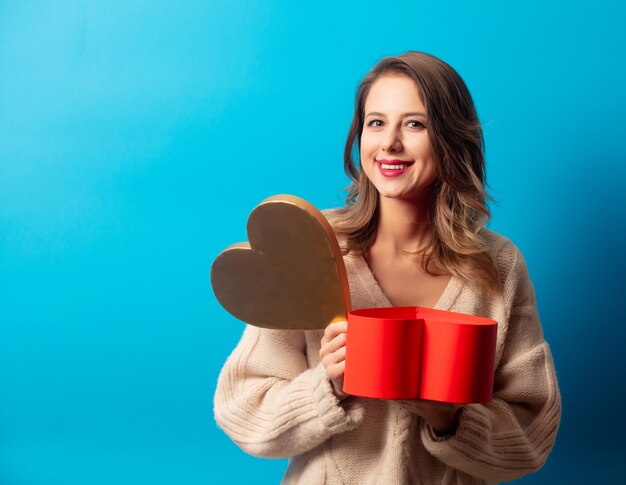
(337, 416)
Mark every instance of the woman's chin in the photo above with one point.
(410, 192)
(391, 194)
(396, 193)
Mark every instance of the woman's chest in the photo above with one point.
(409, 284)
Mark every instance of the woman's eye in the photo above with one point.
(415, 124)
(375, 123)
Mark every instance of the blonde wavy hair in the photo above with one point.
(459, 208)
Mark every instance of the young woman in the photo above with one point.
(414, 234)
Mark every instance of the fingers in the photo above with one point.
(336, 356)
(335, 344)
(333, 350)
(332, 357)
(333, 330)
(334, 339)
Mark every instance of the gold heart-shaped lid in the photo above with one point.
(291, 274)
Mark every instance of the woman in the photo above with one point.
(413, 234)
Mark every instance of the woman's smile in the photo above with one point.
(393, 168)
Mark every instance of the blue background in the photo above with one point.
(136, 137)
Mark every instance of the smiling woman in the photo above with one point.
(413, 234)
(418, 103)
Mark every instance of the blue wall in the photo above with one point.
(135, 138)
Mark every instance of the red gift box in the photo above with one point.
(417, 352)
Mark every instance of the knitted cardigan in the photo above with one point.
(274, 399)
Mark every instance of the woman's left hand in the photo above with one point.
(442, 416)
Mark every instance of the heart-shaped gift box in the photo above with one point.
(290, 275)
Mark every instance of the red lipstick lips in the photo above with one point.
(393, 168)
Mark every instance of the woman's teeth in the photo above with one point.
(398, 166)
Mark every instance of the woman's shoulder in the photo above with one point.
(504, 253)
(512, 269)
(494, 241)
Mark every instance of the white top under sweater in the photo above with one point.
(274, 398)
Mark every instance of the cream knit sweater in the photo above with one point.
(274, 399)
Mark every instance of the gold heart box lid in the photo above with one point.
(290, 275)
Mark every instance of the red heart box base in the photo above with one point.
(420, 353)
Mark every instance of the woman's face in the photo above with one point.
(395, 150)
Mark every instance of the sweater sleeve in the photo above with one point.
(514, 433)
(271, 404)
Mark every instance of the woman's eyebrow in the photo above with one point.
(412, 113)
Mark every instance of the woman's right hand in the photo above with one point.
(333, 354)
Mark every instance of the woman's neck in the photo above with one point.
(403, 226)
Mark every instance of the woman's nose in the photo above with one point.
(391, 142)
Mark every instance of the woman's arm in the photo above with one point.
(514, 434)
(271, 404)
